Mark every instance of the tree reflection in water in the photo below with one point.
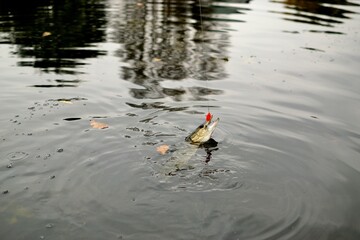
(70, 27)
(162, 41)
(317, 12)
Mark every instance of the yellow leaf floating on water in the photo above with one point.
(98, 125)
(162, 149)
(156, 59)
(46, 34)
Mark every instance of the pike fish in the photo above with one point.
(198, 138)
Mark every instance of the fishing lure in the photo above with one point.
(208, 117)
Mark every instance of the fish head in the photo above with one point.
(203, 133)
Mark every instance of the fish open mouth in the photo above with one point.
(212, 125)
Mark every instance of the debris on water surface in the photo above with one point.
(66, 101)
(131, 114)
(162, 149)
(156, 59)
(52, 177)
(98, 125)
(46, 34)
(135, 129)
(60, 150)
(5, 192)
(9, 165)
(49, 225)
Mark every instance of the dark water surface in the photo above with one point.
(283, 76)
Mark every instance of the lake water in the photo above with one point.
(283, 76)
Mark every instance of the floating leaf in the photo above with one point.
(162, 149)
(156, 59)
(98, 125)
(46, 34)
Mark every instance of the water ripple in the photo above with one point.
(16, 156)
